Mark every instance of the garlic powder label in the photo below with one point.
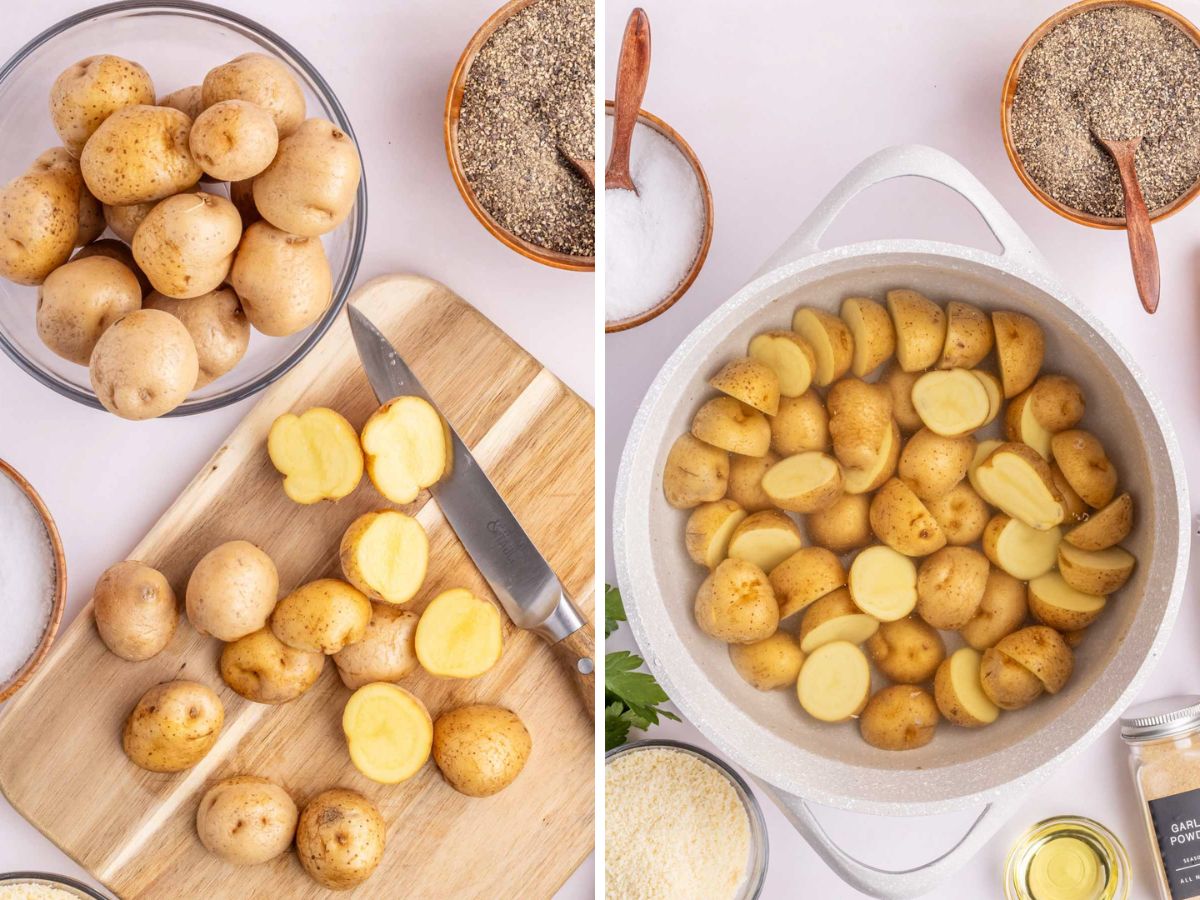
(1177, 828)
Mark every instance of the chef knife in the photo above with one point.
(518, 574)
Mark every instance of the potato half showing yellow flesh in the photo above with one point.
(385, 554)
(317, 453)
(388, 731)
(459, 635)
(1016, 479)
(407, 444)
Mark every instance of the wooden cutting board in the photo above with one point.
(61, 763)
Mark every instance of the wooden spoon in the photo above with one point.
(585, 167)
(1142, 249)
(633, 69)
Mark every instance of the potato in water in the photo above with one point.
(407, 445)
(318, 454)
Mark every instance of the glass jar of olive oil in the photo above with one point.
(1067, 858)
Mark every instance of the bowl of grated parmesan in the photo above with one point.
(679, 824)
(44, 886)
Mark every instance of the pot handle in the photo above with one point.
(882, 883)
(915, 160)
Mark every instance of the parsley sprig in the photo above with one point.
(632, 699)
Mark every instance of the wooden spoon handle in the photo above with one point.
(577, 653)
(633, 69)
(1142, 249)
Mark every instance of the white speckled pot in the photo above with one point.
(794, 757)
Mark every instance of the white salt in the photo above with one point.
(652, 236)
(27, 578)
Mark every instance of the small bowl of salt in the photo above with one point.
(655, 239)
(33, 580)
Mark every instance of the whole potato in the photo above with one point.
(188, 100)
(87, 93)
(241, 195)
(907, 651)
(480, 749)
(768, 664)
(262, 668)
(233, 140)
(261, 80)
(135, 609)
(185, 244)
(91, 216)
(79, 300)
(695, 473)
(900, 717)
(246, 820)
(173, 726)
(961, 514)
(144, 365)
(39, 218)
(114, 249)
(387, 653)
(283, 280)
(324, 615)
(340, 838)
(309, 188)
(139, 153)
(232, 591)
(950, 586)
(217, 325)
(801, 424)
(736, 604)
(124, 220)
(844, 526)
(932, 465)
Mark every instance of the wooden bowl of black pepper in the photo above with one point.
(1056, 158)
(522, 95)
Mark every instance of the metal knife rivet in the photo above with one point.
(585, 666)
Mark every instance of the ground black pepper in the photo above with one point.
(1118, 72)
(531, 91)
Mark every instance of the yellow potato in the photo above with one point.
(1018, 481)
(232, 591)
(187, 100)
(173, 726)
(900, 384)
(1001, 611)
(835, 682)
(138, 154)
(79, 300)
(900, 717)
(310, 186)
(868, 478)
(385, 554)
(1105, 528)
(736, 604)
(388, 732)
(261, 80)
(185, 244)
(246, 820)
(959, 693)
(480, 749)
(233, 140)
(1043, 652)
(1021, 551)
(960, 513)
(800, 424)
(805, 483)
(217, 325)
(834, 617)
(883, 583)
(873, 333)
(765, 538)
(340, 839)
(1021, 425)
(744, 486)
(830, 340)
(1074, 509)
(951, 402)
(1098, 572)
(39, 218)
(731, 425)
(115, 250)
(750, 381)
(406, 443)
(950, 587)
(695, 473)
(91, 90)
(262, 668)
(143, 365)
(789, 355)
(1057, 402)
(903, 522)
(1020, 348)
(771, 663)
(284, 280)
(1086, 466)
(908, 651)
(995, 394)
(920, 329)
(387, 653)
(241, 195)
(135, 610)
(91, 217)
(459, 635)
(983, 450)
(804, 577)
(969, 336)
(322, 616)
(932, 465)
(1007, 683)
(124, 220)
(709, 529)
(317, 452)
(1055, 603)
(844, 526)
(860, 420)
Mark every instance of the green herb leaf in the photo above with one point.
(616, 726)
(614, 609)
(636, 694)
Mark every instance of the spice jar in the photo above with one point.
(1164, 743)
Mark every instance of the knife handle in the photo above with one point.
(577, 652)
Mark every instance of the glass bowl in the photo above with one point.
(62, 882)
(178, 42)
(756, 867)
(1107, 847)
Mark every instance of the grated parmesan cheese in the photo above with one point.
(675, 829)
(28, 890)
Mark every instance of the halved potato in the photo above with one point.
(768, 664)
(951, 402)
(801, 424)
(883, 583)
(805, 577)
(899, 717)
(835, 682)
(1055, 603)
(695, 473)
(969, 336)
(1021, 425)
(831, 342)
(385, 554)
(932, 465)
(744, 486)
(735, 603)
(1019, 550)
(950, 587)
(1001, 611)
(1085, 465)
(1020, 348)
(903, 522)
(834, 617)
(766, 539)
(789, 355)
(843, 527)
(1098, 572)
(959, 692)
(995, 394)
(983, 450)
(709, 528)
(1043, 652)
(873, 333)
(1058, 402)
(1016, 480)
(860, 419)
(459, 635)
(750, 381)
(732, 425)
(1108, 527)
(961, 513)
(804, 483)
(1006, 682)
(317, 452)
(868, 478)
(407, 446)
(900, 384)
(1075, 510)
(920, 329)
